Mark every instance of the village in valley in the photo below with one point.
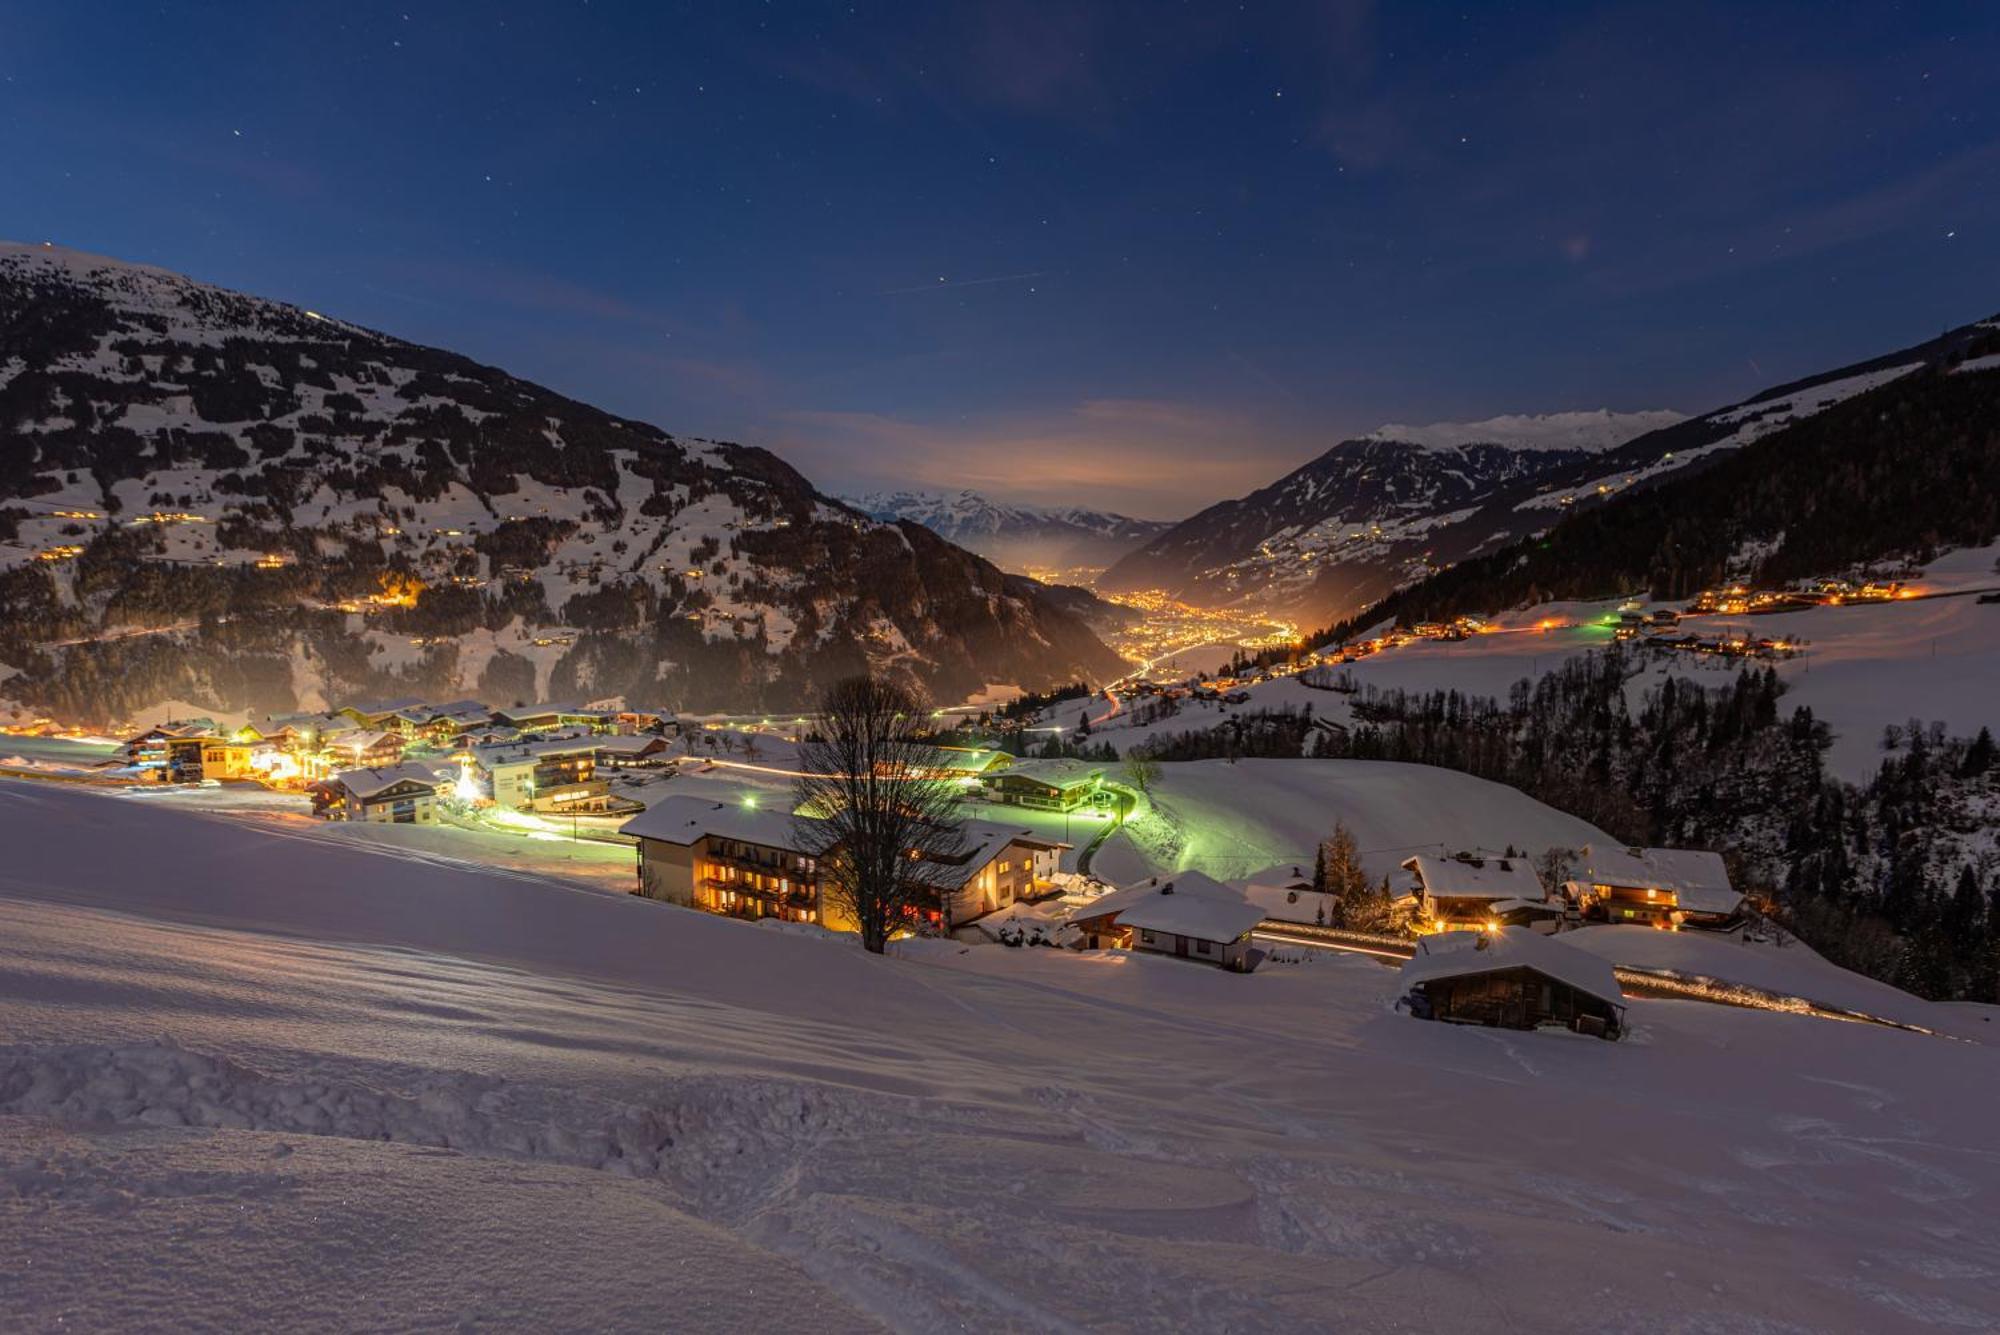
(698, 813)
(1094, 819)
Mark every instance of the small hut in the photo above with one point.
(1512, 979)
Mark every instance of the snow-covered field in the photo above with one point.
(253, 1082)
(1238, 820)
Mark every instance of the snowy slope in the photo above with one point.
(1237, 820)
(1591, 431)
(327, 1088)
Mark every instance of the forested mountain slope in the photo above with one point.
(1901, 470)
(210, 497)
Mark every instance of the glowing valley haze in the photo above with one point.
(1117, 255)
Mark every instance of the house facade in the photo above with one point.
(735, 860)
(1046, 785)
(1657, 887)
(191, 759)
(1000, 866)
(1463, 891)
(365, 748)
(1512, 979)
(397, 795)
(750, 862)
(556, 776)
(1189, 916)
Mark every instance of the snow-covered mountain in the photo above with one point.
(1378, 513)
(1375, 503)
(1016, 537)
(1594, 431)
(211, 497)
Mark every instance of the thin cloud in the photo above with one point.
(1149, 457)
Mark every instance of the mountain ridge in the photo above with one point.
(1013, 534)
(1372, 515)
(172, 452)
(1900, 461)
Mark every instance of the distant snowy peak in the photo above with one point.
(1013, 535)
(969, 511)
(1592, 431)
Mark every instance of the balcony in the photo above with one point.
(798, 897)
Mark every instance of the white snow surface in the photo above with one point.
(1595, 430)
(1235, 821)
(286, 1081)
(252, 1082)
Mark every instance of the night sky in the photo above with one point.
(1140, 256)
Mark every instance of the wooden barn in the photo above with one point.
(1512, 979)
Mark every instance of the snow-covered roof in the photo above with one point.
(1054, 773)
(492, 755)
(1476, 876)
(1520, 905)
(458, 711)
(1186, 884)
(637, 744)
(965, 759)
(384, 708)
(1286, 903)
(683, 819)
(984, 841)
(1462, 954)
(1192, 905)
(367, 783)
(1697, 878)
(559, 708)
(361, 740)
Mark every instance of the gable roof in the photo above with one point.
(488, 755)
(1287, 903)
(1697, 878)
(1476, 876)
(962, 759)
(1464, 954)
(385, 708)
(1191, 904)
(985, 840)
(458, 711)
(361, 740)
(683, 819)
(1185, 885)
(367, 783)
(1054, 773)
(636, 744)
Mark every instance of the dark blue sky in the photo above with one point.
(1140, 255)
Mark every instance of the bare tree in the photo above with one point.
(869, 810)
(1142, 771)
(1555, 867)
